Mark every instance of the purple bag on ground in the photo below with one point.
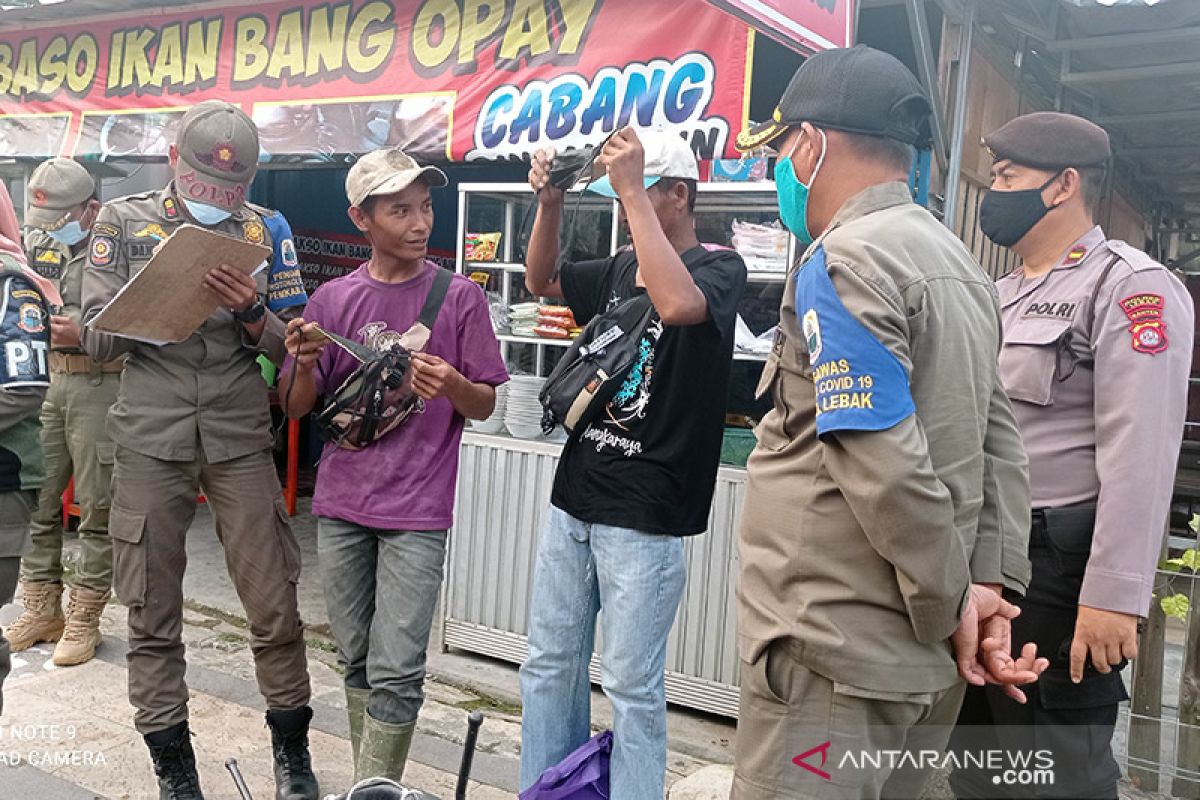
(583, 775)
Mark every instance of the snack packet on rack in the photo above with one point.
(481, 246)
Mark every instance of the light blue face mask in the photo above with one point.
(793, 195)
(70, 234)
(204, 213)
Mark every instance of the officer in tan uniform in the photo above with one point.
(1097, 348)
(886, 498)
(61, 208)
(194, 415)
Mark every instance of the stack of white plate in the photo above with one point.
(494, 423)
(522, 319)
(523, 410)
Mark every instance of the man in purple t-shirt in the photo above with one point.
(383, 511)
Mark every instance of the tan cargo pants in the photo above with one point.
(75, 442)
(802, 735)
(154, 502)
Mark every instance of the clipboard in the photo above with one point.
(167, 301)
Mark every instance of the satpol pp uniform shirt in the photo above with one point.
(890, 473)
(1095, 359)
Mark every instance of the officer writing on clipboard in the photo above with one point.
(1097, 347)
(192, 415)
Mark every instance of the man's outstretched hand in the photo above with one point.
(983, 644)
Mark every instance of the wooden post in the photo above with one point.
(1145, 708)
(1187, 749)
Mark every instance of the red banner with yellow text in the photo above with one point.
(444, 79)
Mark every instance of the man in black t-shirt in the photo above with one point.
(640, 475)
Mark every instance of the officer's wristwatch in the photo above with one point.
(252, 314)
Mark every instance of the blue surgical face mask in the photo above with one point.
(793, 195)
(70, 234)
(204, 213)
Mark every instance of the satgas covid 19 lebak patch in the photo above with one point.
(859, 383)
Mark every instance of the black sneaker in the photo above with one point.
(174, 763)
(294, 778)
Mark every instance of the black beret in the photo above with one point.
(856, 90)
(1050, 140)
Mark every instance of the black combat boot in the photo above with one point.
(174, 763)
(294, 778)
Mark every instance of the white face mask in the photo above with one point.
(206, 214)
(70, 234)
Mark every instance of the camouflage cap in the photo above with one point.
(56, 187)
(218, 154)
(387, 172)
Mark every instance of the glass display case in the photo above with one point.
(505, 480)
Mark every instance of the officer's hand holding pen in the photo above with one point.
(234, 289)
(1108, 637)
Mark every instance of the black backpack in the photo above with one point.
(595, 366)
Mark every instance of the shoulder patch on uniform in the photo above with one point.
(812, 334)
(26, 336)
(287, 253)
(105, 229)
(101, 252)
(1145, 312)
(254, 232)
(1075, 255)
(859, 383)
(31, 318)
(170, 208)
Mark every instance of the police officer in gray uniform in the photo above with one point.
(1097, 348)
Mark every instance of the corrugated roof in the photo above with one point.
(1131, 66)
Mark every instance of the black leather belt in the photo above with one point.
(1071, 521)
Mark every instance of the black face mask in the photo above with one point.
(1005, 217)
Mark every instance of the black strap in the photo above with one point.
(1112, 262)
(435, 298)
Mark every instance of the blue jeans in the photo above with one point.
(397, 574)
(638, 579)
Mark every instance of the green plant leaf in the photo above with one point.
(1175, 606)
(1191, 559)
(1195, 523)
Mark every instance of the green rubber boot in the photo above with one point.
(356, 709)
(383, 749)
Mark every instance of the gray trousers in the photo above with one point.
(381, 589)
(15, 508)
(75, 443)
(154, 502)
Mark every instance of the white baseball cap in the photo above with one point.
(667, 156)
(387, 171)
